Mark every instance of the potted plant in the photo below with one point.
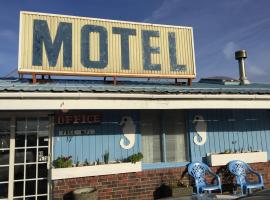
(63, 162)
(134, 158)
(106, 157)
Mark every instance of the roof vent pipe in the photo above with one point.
(241, 55)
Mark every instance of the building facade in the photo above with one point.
(99, 126)
(127, 139)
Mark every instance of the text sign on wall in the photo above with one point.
(77, 119)
(56, 44)
(76, 124)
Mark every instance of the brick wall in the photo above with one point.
(148, 184)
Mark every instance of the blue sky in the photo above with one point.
(220, 28)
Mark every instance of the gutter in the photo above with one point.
(79, 95)
(21, 101)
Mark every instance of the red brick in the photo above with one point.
(140, 185)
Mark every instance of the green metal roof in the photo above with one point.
(148, 87)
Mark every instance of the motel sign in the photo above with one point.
(56, 44)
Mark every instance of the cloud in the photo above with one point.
(256, 71)
(229, 50)
(163, 11)
(8, 35)
(244, 34)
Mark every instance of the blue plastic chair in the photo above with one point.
(198, 171)
(240, 169)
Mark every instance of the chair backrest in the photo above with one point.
(239, 169)
(198, 171)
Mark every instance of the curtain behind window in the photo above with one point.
(174, 129)
(153, 124)
(150, 129)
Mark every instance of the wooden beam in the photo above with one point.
(97, 74)
(34, 79)
(190, 82)
(114, 80)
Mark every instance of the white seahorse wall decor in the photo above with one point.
(128, 129)
(200, 128)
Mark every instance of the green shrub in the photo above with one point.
(106, 157)
(134, 158)
(63, 162)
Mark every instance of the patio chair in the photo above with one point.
(240, 169)
(198, 171)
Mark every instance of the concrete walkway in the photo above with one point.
(204, 197)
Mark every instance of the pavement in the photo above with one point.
(204, 197)
(256, 195)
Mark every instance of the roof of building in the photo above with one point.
(148, 87)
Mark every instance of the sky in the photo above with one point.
(220, 28)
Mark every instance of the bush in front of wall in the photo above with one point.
(63, 162)
(106, 157)
(134, 158)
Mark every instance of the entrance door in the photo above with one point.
(4, 157)
(28, 164)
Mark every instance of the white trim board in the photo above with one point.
(224, 159)
(96, 170)
(84, 104)
(59, 101)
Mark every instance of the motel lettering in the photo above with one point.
(42, 36)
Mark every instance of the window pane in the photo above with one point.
(18, 172)
(20, 132)
(4, 140)
(43, 141)
(31, 139)
(30, 187)
(42, 154)
(3, 190)
(42, 171)
(31, 155)
(4, 157)
(44, 124)
(42, 197)
(42, 186)
(4, 133)
(4, 125)
(3, 174)
(151, 141)
(21, 125)
(19, 156)
(18, 188)
(174, 129)
(32, 124)
(30, 171)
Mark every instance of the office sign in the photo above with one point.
(80, 118)
(67, 45)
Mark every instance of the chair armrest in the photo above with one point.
(257, 174)
(211, 172)
(218, 179)
(216, 176)
(197, 186)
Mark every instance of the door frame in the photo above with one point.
(12, 117)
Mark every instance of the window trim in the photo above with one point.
(164, 163)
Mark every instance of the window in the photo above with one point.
(163, 136)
